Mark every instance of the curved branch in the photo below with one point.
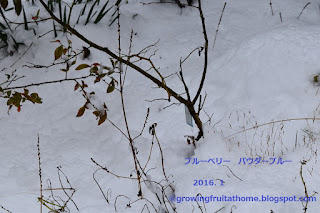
(205, 53)
(113, 55)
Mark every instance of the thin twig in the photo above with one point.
(220, 209)
(29, 22)
(272, 122)
(201, 104)
(47, 82)
(305, 188)
(215, 37)
(124, 111)
(5, 209)
(105, 169)
(113, 124)
(130, 47)
(209, 117)
(184, 83)
(199, 194)
(232, 172)
(162, 158)
(303, 10)
(129, 204)
(180, 5)
(178, 104)
(40, 174)
(22, 55)
(54, 63)
(144, 125)
(205, 53)
(52, 189)
(271, 8)
(105, 197)
(11, 78)
(157, 99)
(149, 155)
(69, 196)
(51, 192)
(198, 48)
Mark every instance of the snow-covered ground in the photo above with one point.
(261, 70)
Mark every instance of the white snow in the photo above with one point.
(261, 70)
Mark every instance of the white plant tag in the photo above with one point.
(188, 116)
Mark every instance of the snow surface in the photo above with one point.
(260, 70)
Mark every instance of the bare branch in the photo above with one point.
(113, 55)
(40, 174)
(184, 83)
(105, 169)
(215, 37)
(205, 53)
(22, 55)
(144, 125)
(232, 172)
(5, 209)
(303, 9)
(105, 197)
(47, 82)
(271, 7)
(63, 189)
